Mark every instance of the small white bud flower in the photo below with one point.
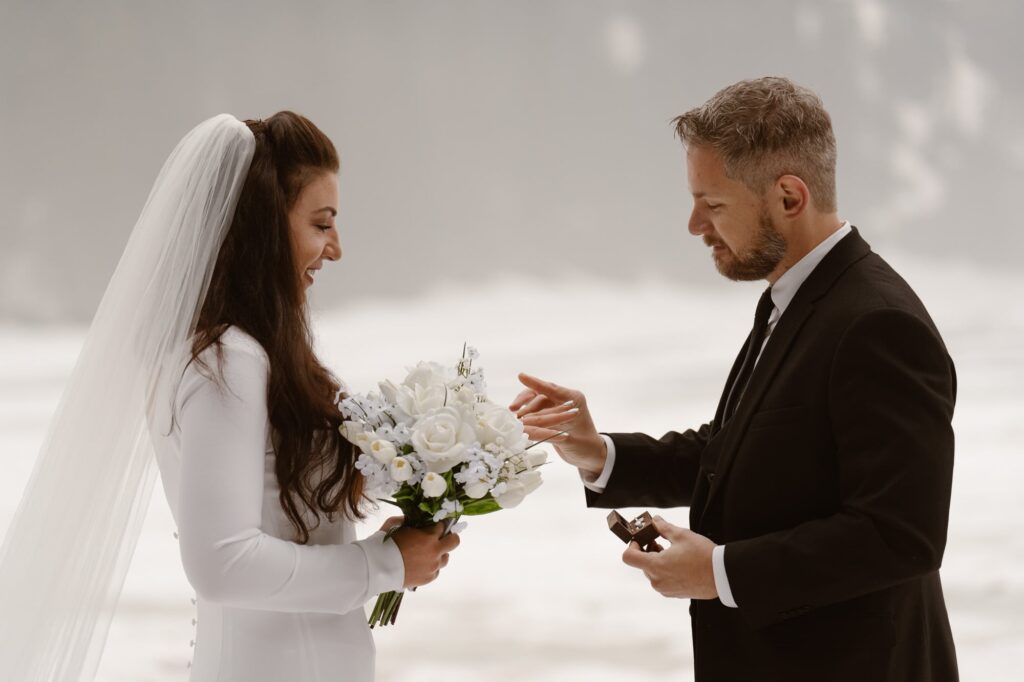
(383, 451)
(400, 469)
(434, 485)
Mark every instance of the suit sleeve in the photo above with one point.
(651, 472)
(227, 556)
(890, 399)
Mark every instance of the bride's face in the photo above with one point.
(314, 235)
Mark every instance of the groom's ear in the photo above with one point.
(794, 194)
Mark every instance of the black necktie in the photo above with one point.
(757, 334)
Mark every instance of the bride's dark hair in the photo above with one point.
(256, 288)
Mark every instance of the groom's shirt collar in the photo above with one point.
(785, 287)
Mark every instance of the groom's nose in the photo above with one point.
(699, 224)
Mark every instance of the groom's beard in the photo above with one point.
(760, 259)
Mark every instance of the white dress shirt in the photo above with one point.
(783, 291)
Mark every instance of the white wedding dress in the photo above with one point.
(268, 608)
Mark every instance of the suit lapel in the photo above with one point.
(848, 251)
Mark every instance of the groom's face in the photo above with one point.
(732, 219)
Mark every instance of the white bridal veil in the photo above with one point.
(67, 550)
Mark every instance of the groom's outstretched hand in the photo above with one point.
(557, 414)
(682, 570)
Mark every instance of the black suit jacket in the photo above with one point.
(829, 488)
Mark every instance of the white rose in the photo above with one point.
(434, 485)
(400, 469)
(427, 374)
(517, 489)
(383, 451)
(441, 437)
(418, 400)
(498, 426)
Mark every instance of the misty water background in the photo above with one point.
(509, 177)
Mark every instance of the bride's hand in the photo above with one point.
(560, 415)
(392, 522)
(425, 552)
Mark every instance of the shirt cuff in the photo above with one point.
(598, 484)
(721, 579)
(384, 564)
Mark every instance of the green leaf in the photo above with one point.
(485, 505)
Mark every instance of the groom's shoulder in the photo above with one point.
(871, 288)
(871, 284)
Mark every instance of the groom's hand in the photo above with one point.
(683, 570)
(560, 415)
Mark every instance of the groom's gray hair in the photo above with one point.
(764, 129)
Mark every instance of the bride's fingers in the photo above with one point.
(551, 419)
(392, 522)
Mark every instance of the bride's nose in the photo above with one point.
(332, 251)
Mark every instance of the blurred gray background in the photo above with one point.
(480, 138)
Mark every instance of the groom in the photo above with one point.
(819, 492)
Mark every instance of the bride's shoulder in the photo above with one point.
(234, 339)
(233, 344)
(237, 365)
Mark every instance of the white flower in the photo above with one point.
(449, 508)
(400, 469)
(477, 489)
(383, 450)
(498, 426)
(536, 458)
(510, 493)
(363, 440)
(418, 400)
(434, 485)
(427, 374)
(349, 429)
(388, 390)
(376, 475)
(441, 438)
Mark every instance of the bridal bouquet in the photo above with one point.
(438, 449)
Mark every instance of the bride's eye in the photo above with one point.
(324, 228)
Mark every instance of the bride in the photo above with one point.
(201, 353)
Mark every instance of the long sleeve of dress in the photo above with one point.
(227, 556)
